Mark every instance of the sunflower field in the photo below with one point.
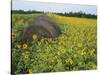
(75, 49)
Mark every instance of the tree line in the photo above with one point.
(69, 14)
(25, 12)
(78, 14)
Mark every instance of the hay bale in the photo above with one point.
(43, 26)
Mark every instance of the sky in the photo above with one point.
(52, 7)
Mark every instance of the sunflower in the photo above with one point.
(34, 36)
(62, 51)
(30, 71)
(83, 52)
(18, 46)
(71, 61)
(24, 46)
(92, 52)
(58, 53)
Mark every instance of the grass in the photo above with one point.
(75, 49)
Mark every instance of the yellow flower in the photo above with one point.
(83, 52)
(58, 53)
(30, 71)
(55, 57)
(92, 52)
(24, 45)
(18, 46)
(71, 61)
(62, 51)
(34, 37)
(25, 55)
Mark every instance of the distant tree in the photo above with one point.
(25, 12)
(70, 14)
(77, 14)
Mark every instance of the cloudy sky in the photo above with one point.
(52, 7)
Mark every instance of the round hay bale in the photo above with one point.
(43, 26)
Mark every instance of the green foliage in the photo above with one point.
(75, 49)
